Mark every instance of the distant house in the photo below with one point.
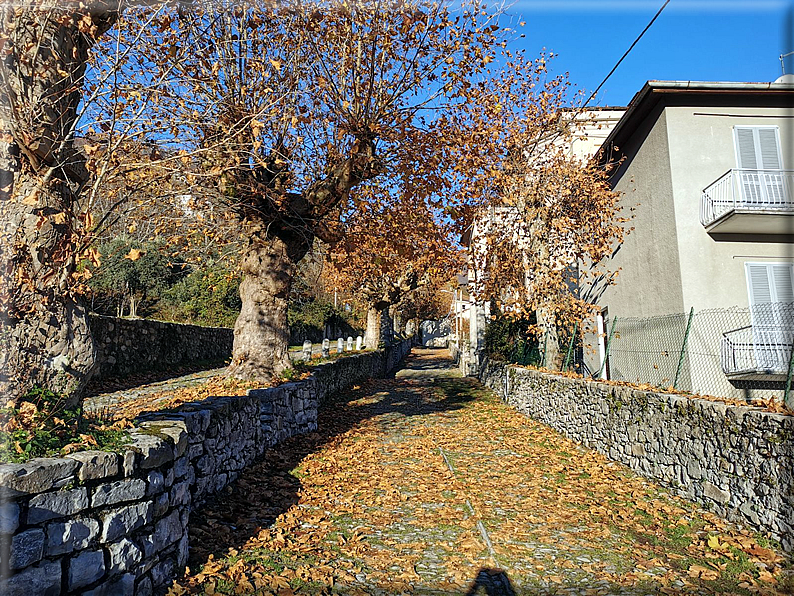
(709, 169)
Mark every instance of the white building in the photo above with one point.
(709, 169)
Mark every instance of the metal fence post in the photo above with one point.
(606, 349)
(788, 377)
(570, 346)
(683, 347)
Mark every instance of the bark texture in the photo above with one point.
(552, 357)
(379, 326)
(261, 335)
(45, 338)
(281, 227)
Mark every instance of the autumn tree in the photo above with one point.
(45, 47)
(392, 248)
(283, 110)
(548, 216)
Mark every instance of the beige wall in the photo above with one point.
(649, 280)
(669, 262)
(701, 150)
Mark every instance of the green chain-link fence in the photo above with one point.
(734, 353)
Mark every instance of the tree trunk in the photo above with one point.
(261, 332)
(547, 323)
(386, 327)
(373, 328)
(45, 335)
(378, 326)
(397, 326)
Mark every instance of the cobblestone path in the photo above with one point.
(428, 484)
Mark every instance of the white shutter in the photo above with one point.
(758, 156)
(758, 286)
(770, 287)
(768, 148)
(745, 148)
(783, 283)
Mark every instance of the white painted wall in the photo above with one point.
(701, 145)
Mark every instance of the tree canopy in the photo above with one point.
(267, 126)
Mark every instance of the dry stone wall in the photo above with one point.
(736, 461)
(107, 524)
(127, 346)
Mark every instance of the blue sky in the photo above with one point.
(692, 40)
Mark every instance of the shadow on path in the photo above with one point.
(157, 380)
(491, 582)
(231, 518)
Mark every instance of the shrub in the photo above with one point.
(205, 297)
(508, 340)
(41, 426)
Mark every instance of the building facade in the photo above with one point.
(707, 169)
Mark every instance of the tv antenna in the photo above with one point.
(782, 64)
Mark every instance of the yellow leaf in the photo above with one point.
(31, 199)
(134, 254)
(276, 64)
(714, 542)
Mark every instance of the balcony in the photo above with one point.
(749, 202)
(757, 354)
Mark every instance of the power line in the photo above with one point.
(614, 68)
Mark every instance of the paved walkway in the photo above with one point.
(428, 484)
(152, 394)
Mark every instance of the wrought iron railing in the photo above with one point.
(757, 349)
(747, 189)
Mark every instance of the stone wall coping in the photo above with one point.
(154, 322)
(673, 399)
(157, 438)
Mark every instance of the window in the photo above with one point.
(759, 161)
(770, 288)
(770, 282)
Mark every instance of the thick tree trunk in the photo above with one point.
(45, 338)
(396, 319)
(386, 327)
(372, 333)
(261, 333)
(378, 326)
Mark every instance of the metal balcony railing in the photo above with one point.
(757, 349)
(764, 190)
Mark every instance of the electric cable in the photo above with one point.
(614, 68)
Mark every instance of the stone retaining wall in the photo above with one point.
(106, 524)
(736, 461)
(127, 346)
